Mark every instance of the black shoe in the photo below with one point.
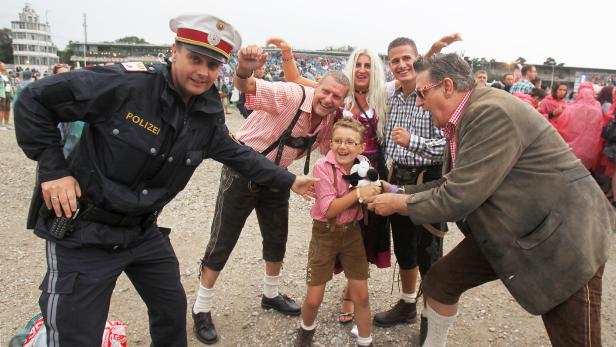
(204, 327)
(282, 304)
(402, 312)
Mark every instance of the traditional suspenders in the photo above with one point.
(295, 142)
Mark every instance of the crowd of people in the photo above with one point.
(511, 167)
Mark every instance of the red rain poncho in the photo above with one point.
(549, 104)
(581, 124)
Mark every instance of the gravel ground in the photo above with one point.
(489, 316)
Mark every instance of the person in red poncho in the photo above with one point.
(533, 98)
(554, 104)
(581, 124)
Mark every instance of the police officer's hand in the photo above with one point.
(304, 186)
(61, 195)
(249, 59)
(401, 136)
(387, 204)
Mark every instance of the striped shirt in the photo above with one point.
(522, 86)
(427, 142)
(450, 128)
(275, 105)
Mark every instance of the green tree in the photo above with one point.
(131, 39)
(549, 61)
(6, 46)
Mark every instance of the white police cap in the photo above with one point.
(207, 35)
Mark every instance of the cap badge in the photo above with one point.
(213, 38)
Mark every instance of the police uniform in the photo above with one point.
(140, 147)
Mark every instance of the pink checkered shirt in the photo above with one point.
(275, 105)
(450, 128)
(326, 193)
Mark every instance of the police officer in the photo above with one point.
(148, 129)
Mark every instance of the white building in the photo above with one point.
(32, 45)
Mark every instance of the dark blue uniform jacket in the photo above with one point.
(140, 147)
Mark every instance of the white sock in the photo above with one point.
(270, 286)
(409, 298)
(438, 327)
(364, 341)
(205, 298)
(307, 327)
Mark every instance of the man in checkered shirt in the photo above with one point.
(525, 85)
(415, 146)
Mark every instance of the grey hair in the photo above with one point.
(338, 76)
(452, 66)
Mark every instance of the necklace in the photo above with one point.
(361, 91)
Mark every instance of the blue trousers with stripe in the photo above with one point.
(77, 288)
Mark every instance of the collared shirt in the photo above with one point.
(522, 86)
(426, 144)
(452, 124)
(275, 105)
(326, 193)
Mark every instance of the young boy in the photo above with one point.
(336, 231)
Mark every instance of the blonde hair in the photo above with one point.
(352, 124)
(376, 95)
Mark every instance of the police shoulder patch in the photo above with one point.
(134, 66)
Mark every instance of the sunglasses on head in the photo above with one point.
(421, 91)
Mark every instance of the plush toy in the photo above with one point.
(362, 174)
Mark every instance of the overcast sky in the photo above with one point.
(572, 34)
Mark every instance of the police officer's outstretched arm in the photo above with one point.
(41, 106)
(254, 166)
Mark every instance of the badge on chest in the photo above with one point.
(137, 120)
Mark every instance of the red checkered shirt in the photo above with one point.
(275, 105)
(450, 128)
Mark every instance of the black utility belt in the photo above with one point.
(91, 213)
(96, 214)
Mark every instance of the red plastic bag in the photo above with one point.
(114, 335)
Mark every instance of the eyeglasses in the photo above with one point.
(421, 92)
(348, 143)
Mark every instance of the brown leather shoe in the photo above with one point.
(401, 313)
(304, 337)
(204, 328)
